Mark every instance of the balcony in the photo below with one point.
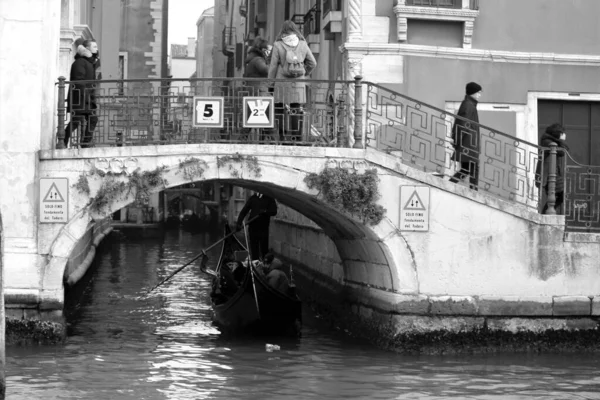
(311, 28)
(332, 18)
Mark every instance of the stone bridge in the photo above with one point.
(482, 259)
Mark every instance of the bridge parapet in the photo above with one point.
(135, 112)
(320, 113)
(506, 167)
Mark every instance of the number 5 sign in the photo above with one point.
(208, 112)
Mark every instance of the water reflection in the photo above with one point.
(123, 345)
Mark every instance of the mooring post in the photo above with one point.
(2, 320)
(62, 112)
(358, 113)
(552, 181)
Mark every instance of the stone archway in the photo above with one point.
(372, 256)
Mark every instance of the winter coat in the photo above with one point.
(256, 67)
(465, 133)
(264, 207)
(81, 97)
(545, 141)
(290, 92)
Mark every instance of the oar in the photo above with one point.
(202, 253)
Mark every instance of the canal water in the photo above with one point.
(122, 345)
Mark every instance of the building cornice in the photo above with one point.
(437, 13)
(516, 57)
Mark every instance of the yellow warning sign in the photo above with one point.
(54, 204)
(414, 208)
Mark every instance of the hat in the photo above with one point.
(473, 88)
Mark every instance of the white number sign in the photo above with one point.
(208, 112)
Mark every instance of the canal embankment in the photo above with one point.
(423, 322)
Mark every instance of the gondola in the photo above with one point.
(250, 306)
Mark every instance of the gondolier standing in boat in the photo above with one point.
(264, 207)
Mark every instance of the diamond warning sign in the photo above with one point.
(54, 204)
(414, 211)
(258, 112)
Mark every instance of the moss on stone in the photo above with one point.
(27, 331)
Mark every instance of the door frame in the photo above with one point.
(531, 109)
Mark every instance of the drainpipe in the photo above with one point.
(2, 320)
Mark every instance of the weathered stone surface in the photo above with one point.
(596, 306)
(410, 324)
(453, 305)
(357, 271)
(514, 306)
(515, 325)
(572, 305)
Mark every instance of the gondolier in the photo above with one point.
(264, 207)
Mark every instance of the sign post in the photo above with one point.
(54, 200)
(414, 208)
(208, 112)
(259, 112)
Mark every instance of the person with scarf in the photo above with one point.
(81, 99)
(554, 134)
(290, 96)
(465, 134)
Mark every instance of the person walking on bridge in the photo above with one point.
(465, 134)
(264, 207)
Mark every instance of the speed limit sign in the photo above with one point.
(208, 112)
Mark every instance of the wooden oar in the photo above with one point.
(202, 253)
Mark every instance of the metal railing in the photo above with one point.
(160, 111)
(582, 197)
(421, 135)
(312, 21)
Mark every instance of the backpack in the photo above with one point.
(294, 66)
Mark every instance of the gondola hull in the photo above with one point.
(256, 307)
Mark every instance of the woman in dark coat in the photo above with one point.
(256, 66)
(554, 134)
(81, 99)
(465, 134)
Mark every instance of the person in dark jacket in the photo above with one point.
(554, 134)
(264, 207)
(465, 134)
(256, 66)
(81, 100)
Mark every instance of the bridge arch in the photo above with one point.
(371, 256)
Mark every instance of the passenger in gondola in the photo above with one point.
(263, 207)
(274, 274)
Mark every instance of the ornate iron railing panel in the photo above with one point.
(582, 197)
(422, 136)
(159, 111)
